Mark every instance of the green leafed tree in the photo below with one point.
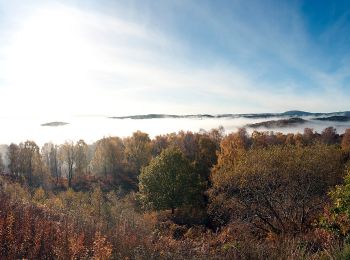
(169, 182)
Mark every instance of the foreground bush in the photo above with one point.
(279, 189)
(70, 225)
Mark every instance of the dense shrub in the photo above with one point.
(279, 189)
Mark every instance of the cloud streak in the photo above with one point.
(123, 60)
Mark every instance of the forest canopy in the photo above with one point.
(184, 195)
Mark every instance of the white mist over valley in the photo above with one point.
(92, 128)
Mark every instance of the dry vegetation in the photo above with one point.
(188, 195)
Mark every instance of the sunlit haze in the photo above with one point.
(68, 58)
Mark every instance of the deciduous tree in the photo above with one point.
(30, 160)
(81, 157)
(109, 156)
(2, 166)
(137, 151)
(14, 159)
(279, 189)
(169, 181)
(68, 156)
(345, 143)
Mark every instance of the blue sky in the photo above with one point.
(136, 57)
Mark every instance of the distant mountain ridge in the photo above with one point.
(334, 118)
(291, 113)
(298, 113)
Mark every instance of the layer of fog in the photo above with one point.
(93, 128)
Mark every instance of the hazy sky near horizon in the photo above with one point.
(65, 58)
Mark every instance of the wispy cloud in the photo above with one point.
(125, 58)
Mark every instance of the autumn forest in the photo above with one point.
(185, 195)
